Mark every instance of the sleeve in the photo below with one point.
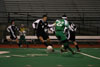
(51, 25)
(33, 25)
(67, 25)
(54, 24)
(65, 29)
(75, 27)
(17, 28)
(70, 28)
(8, 29)
(36, 22)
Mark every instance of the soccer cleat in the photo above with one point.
(78, 50)
(63, 50)
(53, 50)
(73, 53)
(20, 46)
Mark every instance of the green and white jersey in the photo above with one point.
(61, 24)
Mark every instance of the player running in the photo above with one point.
(59, 31)
(71, 35)
(41, 26)
(22, 39)
(13, 29)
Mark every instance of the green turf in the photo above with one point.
(36, 57)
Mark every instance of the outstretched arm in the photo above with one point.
(8, 29)
(34, 24)
(52, 25)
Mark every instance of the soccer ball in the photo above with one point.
(49, 48)
(62, 47)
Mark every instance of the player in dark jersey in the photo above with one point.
(71, 35)
(41, 26)
(13, 29)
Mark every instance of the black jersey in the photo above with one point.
(41, 26)
(73, 26)
(12, 29)
(70, 33)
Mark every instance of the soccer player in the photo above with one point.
(71, 35)
(22, 39)
(59, 31)
(41, 26)
(12, 29)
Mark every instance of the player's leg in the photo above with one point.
(40, 37)
(76, 45)
(49, 42)
(72, 38)
(66, 45)
(46, 37)
(24, 40)
(20, 42)
(14, 37)
(42, 40)
(64, 41)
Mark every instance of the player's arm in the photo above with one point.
(34, 24)
(65, 29)
(17, 28)
(52, 25)
(70, 28)
(75, 27)
(67, 25)
(8, 29)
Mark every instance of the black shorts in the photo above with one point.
(42, 34)
(71, 36)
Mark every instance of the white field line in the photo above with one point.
(89, 55)
(4, 52)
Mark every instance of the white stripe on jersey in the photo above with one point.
(37, 21)
(68, 37)
(9, 29)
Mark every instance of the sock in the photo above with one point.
(66, 46)
(77, 47)
(70, 49)
(45, 44)
(50, 44)
(19, 44)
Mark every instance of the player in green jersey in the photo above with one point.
(59, 31)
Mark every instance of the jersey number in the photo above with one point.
(60, 23)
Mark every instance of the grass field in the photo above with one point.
(39, 57)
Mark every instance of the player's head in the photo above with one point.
(44, 18)
(64, 17)
(12, 22)
(22, 25)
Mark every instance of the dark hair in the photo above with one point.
(44, 16)
(12, 21)
(64, 15)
